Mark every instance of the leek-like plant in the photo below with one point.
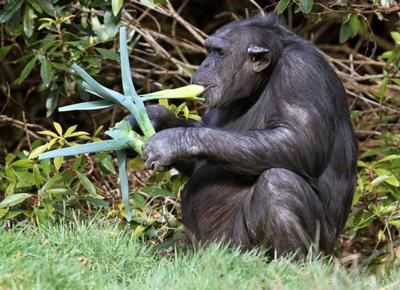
(123, 137)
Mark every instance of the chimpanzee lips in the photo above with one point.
(208, 93)
(207, 89)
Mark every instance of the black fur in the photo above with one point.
(273, 162)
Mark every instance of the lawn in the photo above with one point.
(99, 255)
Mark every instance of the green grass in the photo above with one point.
(101, 256)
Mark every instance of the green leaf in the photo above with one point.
(29, 16)
(396, 81)
(97, 88)
(116, 6)
(123, 179)
(47, 6)
(378, 180)
(345, 32)
(395, 223)
(386, 54)
(392, 180)
(140, 200)
(148, 3)
(155, 191)
(388, 158)
(52, 102)
(46, 72)
(383, 88)
(53, 181)
(107, 53)
(8, 11)
(281, 7)
(396, 37)
(36, 176)
(129, 88)
(139, 112)
(5, 50)
(35, 6)
(385, 176)
(306, 5)
(3, 212)
(106, 163)
(14, 199)
(26, 71)
(106, 145)
(355, 24)
(24, 163)
(93, 105)
(87, 184)
(25, 179)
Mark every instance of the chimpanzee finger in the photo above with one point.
(158, 167)
(145, 151)
(150, 162)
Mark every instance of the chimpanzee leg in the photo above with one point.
(282, 211)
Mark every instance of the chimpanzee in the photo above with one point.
(273, 161)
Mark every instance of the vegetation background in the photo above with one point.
(39, 40)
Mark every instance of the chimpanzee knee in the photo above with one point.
(284, 212)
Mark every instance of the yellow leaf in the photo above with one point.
(84, 137)
(186, 112)
(381, 236)
(51, 143)
(194, 117)
(58, 128)
(138, 232)
(48, 133)
(164, 102)
(70, 130)
(47, 19)
(58, 162)
(37, 151)
(78, 133)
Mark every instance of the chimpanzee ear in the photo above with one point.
(260, 57)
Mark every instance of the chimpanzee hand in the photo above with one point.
(163, 149)
(160, 117)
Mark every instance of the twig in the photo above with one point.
(257, 6)
(23, 125)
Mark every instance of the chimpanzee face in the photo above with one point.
(235, 65)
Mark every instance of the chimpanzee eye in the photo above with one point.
(219, 51)
(215, 51)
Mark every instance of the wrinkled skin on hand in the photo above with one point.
(162, 150)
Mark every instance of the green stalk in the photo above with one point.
(129, 90)
(124, 183)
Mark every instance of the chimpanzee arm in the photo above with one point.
(162, 118)
(301, 145)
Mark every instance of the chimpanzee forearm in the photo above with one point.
(252, 152)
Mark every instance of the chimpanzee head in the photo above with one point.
(240, 58)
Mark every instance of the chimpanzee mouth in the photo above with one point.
(207, 89)
(212, 96)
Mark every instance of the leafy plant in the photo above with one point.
(41, 190)
(123, 137)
